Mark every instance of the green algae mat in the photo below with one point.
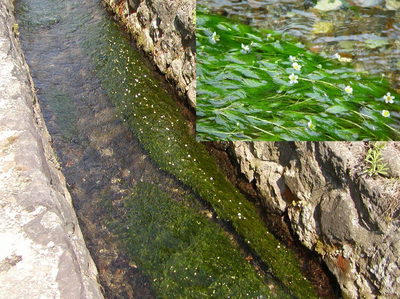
(255, 84)
(183, 253)
(186, 255)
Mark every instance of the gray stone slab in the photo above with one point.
(43, 254)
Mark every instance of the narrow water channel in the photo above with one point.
(98, 154)
(119, 192)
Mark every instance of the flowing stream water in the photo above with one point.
(103, 161)
(99, 155)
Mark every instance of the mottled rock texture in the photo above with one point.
(42, 253)
(166, 31)
(350, 218)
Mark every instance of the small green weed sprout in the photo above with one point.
(15, 29)
(374, 159)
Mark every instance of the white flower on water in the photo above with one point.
(293, 78)
(245, 49)
(296, 66)
(214, 38)
(311, 125)
(385, 113)
(337, 56)
(348, 89)
(292, 59)
(388, 98)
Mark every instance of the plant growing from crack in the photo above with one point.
(374, 159)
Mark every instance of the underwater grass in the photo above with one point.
(256, 84)
(161, 129)
(183, 253)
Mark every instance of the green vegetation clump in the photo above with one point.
(375, 161)
(255, 84)
(155, 119)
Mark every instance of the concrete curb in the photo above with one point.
(43, 254)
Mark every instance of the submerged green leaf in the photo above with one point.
(336, 109)
(254, 67)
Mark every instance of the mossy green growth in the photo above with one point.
(155, 119)
(255, 84)
(183, 253)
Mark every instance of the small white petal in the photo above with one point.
(385, 113)
(348, 89)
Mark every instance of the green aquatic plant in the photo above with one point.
(182, 252)
(256, 84)
(154, 118)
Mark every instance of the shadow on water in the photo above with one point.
(103, 162)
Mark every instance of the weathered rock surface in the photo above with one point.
(43, 254)
(348, 217)
(166, 30)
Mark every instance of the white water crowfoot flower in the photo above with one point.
(214, 38)
(292, 59)
(311, 125)
(245, 49)
(388, 98)
(293, 78)
(337, 56)
(385, 113)
(296, 66)
(348, 89)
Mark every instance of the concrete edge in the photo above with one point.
(43, 253)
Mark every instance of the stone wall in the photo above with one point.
(350, 218)
(43, 254)
(166, 31)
